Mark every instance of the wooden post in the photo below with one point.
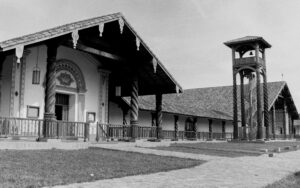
(266, 106)
(243, 114)
(134, 111)
(235, 109)
(210, 129)
(195, 127)
(273, 121)
(50, 90)
(175, 127)
(158, 98)
(259, 108)
(284, 118)
(224, 129)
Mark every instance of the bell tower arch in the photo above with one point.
(249, 61)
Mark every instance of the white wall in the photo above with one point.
(115, 114)
(34, 94)
(168, 122)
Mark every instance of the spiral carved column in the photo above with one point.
(134, 111)
(235, 109)
(158, 98)
(259, 109)
(50, 89)
(266, 106)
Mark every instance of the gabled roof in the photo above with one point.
(57, 31)
(80, 25)
(248, 39)
(212, 102)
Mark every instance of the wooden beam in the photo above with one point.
(95, 51)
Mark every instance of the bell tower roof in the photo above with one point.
(247, 40)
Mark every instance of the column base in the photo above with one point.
(134, 132)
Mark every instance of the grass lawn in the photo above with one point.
(56, 167)
(291, 181)
(227, 149)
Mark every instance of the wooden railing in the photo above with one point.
(20, 127)
(26, 127)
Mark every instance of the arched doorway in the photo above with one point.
(70, 91)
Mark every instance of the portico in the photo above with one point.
(61, 81)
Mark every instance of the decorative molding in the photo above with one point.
(138, 42)
(101, 29)
(65, 79)
(75, 37)
(64, 64)
(121, 23)
(19, 52)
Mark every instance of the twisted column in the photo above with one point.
(259, 109)
(134, 111)
(235, 110)
(50, 89)
(266, 106)
(158, 99)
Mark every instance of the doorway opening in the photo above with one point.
(62, 107)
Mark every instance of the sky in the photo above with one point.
(186, 35)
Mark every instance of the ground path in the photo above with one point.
(217, 172)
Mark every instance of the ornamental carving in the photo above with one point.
(65, 79)
(74, 70)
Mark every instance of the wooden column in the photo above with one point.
(195, 126)
(273, 121)
(50, 89)
(210, 128)
(259, 107)
(235, 109)
(134, 111)
(176, 127)
(2, 57)
(224, 129)
(158, 99)
(284, 118)
(243, 114)
(242, 101)
(266, 106)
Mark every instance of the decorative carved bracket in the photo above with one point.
(121, 23)
(19, 52)
(101, 28)
(75, 37)
(138, 42)
(154, 63)
(177, 89)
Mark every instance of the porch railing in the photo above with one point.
(123, 131)
(108, 131)
(26, 127)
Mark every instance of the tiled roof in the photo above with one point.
(212, 102)
(247, 39)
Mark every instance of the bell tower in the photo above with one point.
(249, 61)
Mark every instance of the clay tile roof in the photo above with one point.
(212, 102)
(248, 39)
(57, 31)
